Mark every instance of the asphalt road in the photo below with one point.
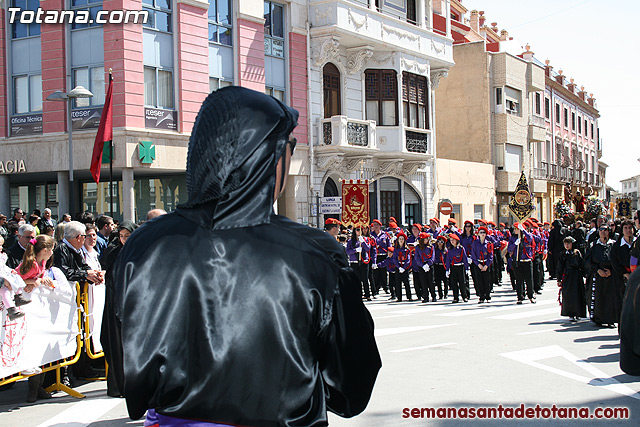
(437, 355)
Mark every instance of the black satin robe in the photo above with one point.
(226, 312)
(630, 327)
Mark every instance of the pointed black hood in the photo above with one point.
(234, 148)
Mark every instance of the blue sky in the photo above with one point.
(595, 42)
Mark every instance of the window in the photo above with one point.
(91, 78)
(547, 108)
(91, 6)
(478, 211)
(579, 125)
(513, 99)
(276, 93)
(220, 22)
(456, 211)
(273, 29)
(512, 157)
(158, 88)
(592, 131)
(558, 113)
(27, 94)
(19, 29)
(216, 83)
(411, 11)
(585, 127)
(573, 121)
(538, 101)
(499, 107)
(381, 97)
(159, 12)
(415, 101)
(331, 90)
(566, 118)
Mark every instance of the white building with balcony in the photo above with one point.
(373, 69)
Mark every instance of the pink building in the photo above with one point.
(162, 70)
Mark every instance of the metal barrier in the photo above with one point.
(83, 339)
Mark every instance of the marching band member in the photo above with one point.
(482, 258)
(412, 242)
(332, 227)
(455, 264)
(434, 227)
(520, 249)
(423, 259)
(401, 261)
(538, 251)
(440, 277)
(366, 233)
(358, 252)
(382, 246)
(466, 239)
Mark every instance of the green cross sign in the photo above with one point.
(147, 152)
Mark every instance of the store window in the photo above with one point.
(381, 97)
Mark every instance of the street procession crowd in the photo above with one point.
(591, 265)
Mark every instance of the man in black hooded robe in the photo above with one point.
(225, 312)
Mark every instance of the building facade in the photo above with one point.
(630, 189)
(361, 76)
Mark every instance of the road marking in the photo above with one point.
(423, 347)
(598, 378)
(489, 309)
(383, 332)
(84, 412)
(524, 315)
(390, 317)
(538, 332)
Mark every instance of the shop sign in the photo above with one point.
(30, 124)
(155, 118)
(12, 166)
(86, 118)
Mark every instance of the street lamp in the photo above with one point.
(77, 92)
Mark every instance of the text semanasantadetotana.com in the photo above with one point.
(518, 412)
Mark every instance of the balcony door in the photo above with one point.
(389, 199)
(331, 90)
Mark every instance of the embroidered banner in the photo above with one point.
(521, 204)
(355, 202)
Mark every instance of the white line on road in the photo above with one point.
(383, 332)
(537, 332)
(489, 309)
(83, 413)
(533, 356)
(423, 347)
(530, 313)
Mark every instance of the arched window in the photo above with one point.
(331, 90)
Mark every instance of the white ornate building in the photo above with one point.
(373, 69)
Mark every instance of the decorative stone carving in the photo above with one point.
(383, 59)
(409, 65)
(329, 51)
(331, 162)
(322, 14)
(439, 48)
(389, 29)
(357, 59)
(390, 167)
(409, 168)
(357, 163)
(358, 21)
(436, 75)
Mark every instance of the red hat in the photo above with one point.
(468, 222)
(534, 219)
(482, 221)
(454, 237)
(418, 226)
(423, 235)
(443, 238)
(401, 233)
(436, 220)
(452, 221)
(393, 225)
(534, 225)
(390, 249)
(502, 224)
(332, 221)
(483, 228)
(376, 221)
(392, 219)
(546, 223)
(492, 223)
(516, 224)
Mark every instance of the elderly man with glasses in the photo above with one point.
(68, 255)
(26, 232)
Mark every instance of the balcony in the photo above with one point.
(542, 171)
(412, 143)
(537, 129)
(357, 25)
(349, 134)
